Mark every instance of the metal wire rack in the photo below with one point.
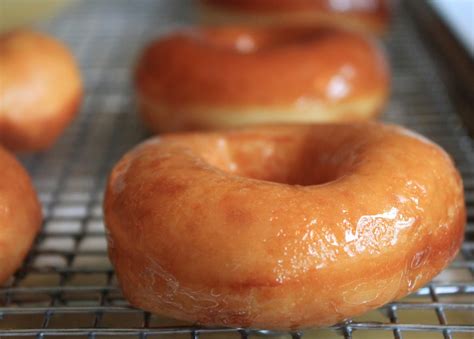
(67, 288)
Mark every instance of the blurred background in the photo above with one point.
(67, 287)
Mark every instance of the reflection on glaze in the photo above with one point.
(365, 291)
(4, 209)
(347, 5)
(119, 175)
(223, 151)
(419, 258)
(372, 234)
(109, 237)
(118, 182)
(375, 232)
(174, 292)
(339, 85)
(145, 144)
(417, 136)
(245, 44)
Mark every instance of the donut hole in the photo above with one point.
(298, 161)
(305, 169)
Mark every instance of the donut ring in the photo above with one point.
(211, 78)
(281, 227)
(371, 16)
(20, 214)
(40, 92)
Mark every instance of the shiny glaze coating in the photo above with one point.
(281, 226)
(206, 78)
(20, 214)
(40, 90)
(363, 15)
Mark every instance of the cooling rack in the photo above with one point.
(67, 287)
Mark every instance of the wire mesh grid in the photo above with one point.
(67, 286)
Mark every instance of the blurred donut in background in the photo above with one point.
(221, 77)
(20, 214)
(40, 90)
(371, 16)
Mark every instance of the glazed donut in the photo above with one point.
(371, 16)
(281, 227)
(213, 78)
(20, 214)
(40, 92)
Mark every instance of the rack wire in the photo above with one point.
(67, 287)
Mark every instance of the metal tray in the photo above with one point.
(67, 286)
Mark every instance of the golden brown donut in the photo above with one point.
(20, 214)
(209, 78)
(40, 90)
(371, 16)
(281, 227)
